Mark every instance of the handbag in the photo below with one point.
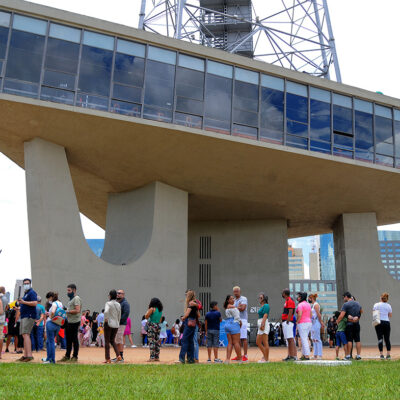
(376, 317)
(192, 322)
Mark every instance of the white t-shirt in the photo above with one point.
(384, 310)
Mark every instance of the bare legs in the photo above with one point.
(233, 342)
(262, 343)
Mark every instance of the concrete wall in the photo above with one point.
(60, 254)
(251, 254)
(359, 270)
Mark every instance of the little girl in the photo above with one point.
(100, 335)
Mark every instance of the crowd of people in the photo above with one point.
(28, 323)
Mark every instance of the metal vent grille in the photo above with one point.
(205, 275)
(205, 247)
(205, 298)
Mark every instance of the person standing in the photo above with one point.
(176, 332)
(28, 316)
(153, 316)
(317, 324)
(112, 316)
(332, 327)
(383, 329)
(38, 328)
(288, 326)
(212, 328)
(74, 309)
(304, 324)
(94, 326)
(352, 310)
(263, 327)
(341, 336)
(143, 331)
(128, 332)
(125, 311)
(232, 328)
(241, 305)
(163, 331)
(3, 307)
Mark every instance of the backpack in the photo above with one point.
(59, 316)
(173, 330)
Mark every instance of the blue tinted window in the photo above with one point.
(65, 33)
(397, 137)
(191, 121)
(343, 153)
(162, 55)
(62, 56)
(25, 56)
(387, 162)
(159, 86)
(364, 135)
(245, 131)
(3, 41)
(157, 114)
(383, 136)
(322, 147)
(271, 115)
(59, 80)
(5, 19)
(95, 71)
(94, 102)
(98, 40)
(245, 103)
(219, 69)
(131, 48)
(129, 70)
(297, 128)
(189, 105)
(342, 119)
(129, 109)
(295, 141)
(296, 108)
(320, 120)
(191, 62)
(128, 93)
(28, 24)
(343, 141)
(57, 95)
(20, 88)
(189, 91)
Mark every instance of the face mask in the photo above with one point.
(27, 286)
(50, 302)
(310, 301)
(70, 295)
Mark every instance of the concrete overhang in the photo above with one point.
(227, 177)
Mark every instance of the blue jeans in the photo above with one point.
(187, 344)
(196, 342)
(52, 331)
(37, 338)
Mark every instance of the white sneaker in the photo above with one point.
(133, 346)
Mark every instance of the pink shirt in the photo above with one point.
(306, 315)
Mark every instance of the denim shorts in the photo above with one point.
(340, 339)
(231, 327)
(212, 338)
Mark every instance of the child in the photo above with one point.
(176, 333)
(163, 332)
(212, 327)
(341, 335)
(100, 335)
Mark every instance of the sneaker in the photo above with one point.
(64, 359)
(235, 359)
(337, 358)
(303, 358)
(45, 361)
(262, 361)
(21, 359)
(388, 357)
(208, 361)
(347, 358)
(218, 361)
(382, 357)
(7, 351)
(27, 359)
(358, 357)
(133, 346)
(120, 360)
(114, 359)
(245, 359)
(288, 358)
(73, 360)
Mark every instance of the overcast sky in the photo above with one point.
(366, 33)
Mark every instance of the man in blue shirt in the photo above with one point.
(28, 316)
(38, 328)
(212, 325)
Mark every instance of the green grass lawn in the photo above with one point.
(362, 380)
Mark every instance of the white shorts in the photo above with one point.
(243, 329)
(287, 330)
(266, 330)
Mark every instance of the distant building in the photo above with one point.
(18, 290)
(389, 242)
(315, 274)
(296, 263)
(327, 257)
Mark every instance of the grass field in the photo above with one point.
(362, 380)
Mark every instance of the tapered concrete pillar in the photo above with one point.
(360, 271)
(146, 238)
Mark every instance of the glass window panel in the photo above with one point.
(4, 19)
(342, 119)
(244, 131)
(322, 287)
(62, 55)
(364, 132)
(364, 106)
(219, 69)
(297, 128)
(129, 70)
(59, 80)
(343, 141)
(65, 33)
(246, 96)
(218, 98)
(295, 141)
(162, 55)
(23, 47)
(1, 68)
(217, 125)
(321, 147)
(319, 94)
(320, 120)
(159, 85)
(296, 108)
(191, 62)
(383, 111)
(157, 114)
(191, 121)
(28, 24)
(296, 88)
(384, 160)
(245, 75)
(131, 48)
(397, 165)
(397, 136)
(189, 83)
(396, 115)
(57, 95)
(245, 117)
(314, 287)
(93, 102)
(20, 88)
(127, 93)
(189, 105)
(383, 136)
(3, 41)
(129, 109)
(272, 82)
(95, 71)
(364, 155)
(341, 100)
(342, 153)
(98, 40)
(297, 287)
(305, 287)
(271, 115)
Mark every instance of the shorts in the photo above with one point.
(266, 330)
(119, 338)
(212, 338)
(243, 329)
(341, 339)
(287, 330)
(353, 332)
(231, 327)
(1, 332)
(26, 326)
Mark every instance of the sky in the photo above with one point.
(366, 35)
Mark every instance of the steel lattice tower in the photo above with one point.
(295, 34)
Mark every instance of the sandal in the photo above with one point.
(107, 362)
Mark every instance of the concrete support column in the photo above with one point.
(359, 270)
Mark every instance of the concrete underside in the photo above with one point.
(227, 178)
